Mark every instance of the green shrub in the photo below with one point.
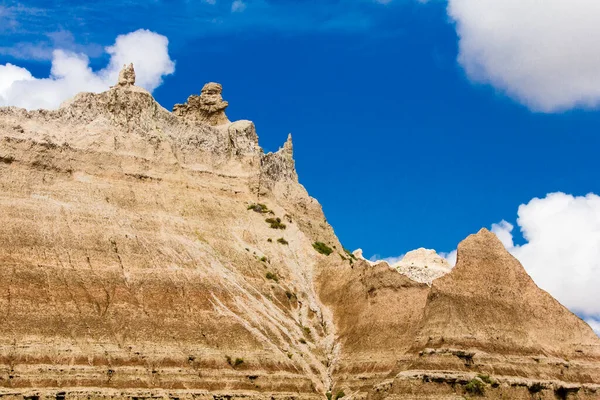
(302, 340)
(282, 241)
(328, 395)
(306, 330)
(272, 276)
(259, 208)
(234, 363)
(349, 253)
(263, 259)
(485, 378)
(476, 387)
(270, 240)
(340, 394)
(322, 248)
(275, 223)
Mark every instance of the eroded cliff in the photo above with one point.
(150, 254)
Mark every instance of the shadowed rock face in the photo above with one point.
(136, 262)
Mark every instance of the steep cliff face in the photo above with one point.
(131, 256)
(150, 254)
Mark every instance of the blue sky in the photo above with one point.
(413, 125)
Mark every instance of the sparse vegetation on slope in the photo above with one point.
(322, 248)
(275, 223)
(234, 363)
(259, 208)
(349, 253)
(271, 276)
(475, 387)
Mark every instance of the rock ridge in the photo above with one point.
(150, 254)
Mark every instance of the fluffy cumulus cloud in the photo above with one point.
(544, 54)
(71, 72)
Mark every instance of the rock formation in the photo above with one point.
(126, 76)
(149, 254)
(208, 108)
(423, 266)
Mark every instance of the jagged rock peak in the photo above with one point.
(288, 147)
(208, 108)
(280, 166)
(126, 76)
(485, 246)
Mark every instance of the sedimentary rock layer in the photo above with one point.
(145, 254)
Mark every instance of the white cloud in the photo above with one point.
(503, 230)
(544, 54)
(71, 72)
(238, 6)
(450, 257)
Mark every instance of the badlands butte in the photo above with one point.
(148, 254)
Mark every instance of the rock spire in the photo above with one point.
(126, 76)
(208, 108)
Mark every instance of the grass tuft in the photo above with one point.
(322, 248)
(259, 208)
(272, 276)
(275, 223)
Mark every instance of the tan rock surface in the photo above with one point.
(208, 108)
(135, 262)
(126, 76)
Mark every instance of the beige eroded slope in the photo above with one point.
(135, 263)
(130, 260)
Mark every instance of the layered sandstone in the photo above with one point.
(137, 262)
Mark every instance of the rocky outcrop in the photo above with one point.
(208, 108)
(280, 165)
(486, 317)
(145, 254)
(126, 76)
(490, 303)
(423, 266)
